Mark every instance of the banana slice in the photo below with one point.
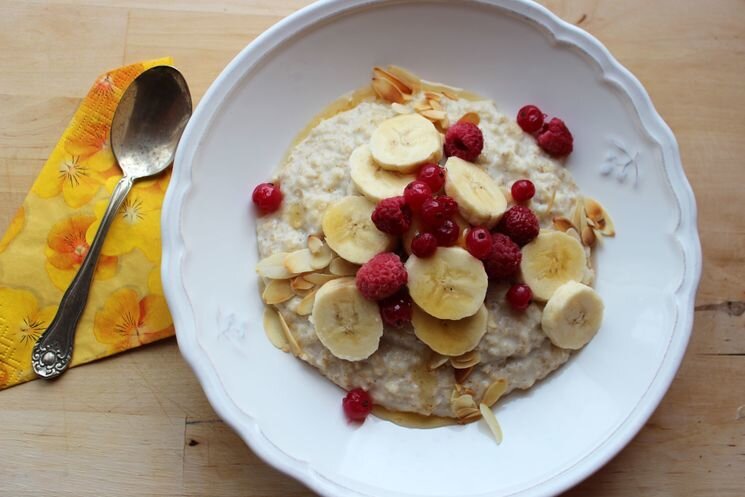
(480, 199)
(404, 142)
(451, 284)
(450, 338)
(371, 180)
(572, 315)
(350, 232)
(551, 260)
(346, 323)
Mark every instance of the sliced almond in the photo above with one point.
(574, 234)
(305, 306)
(434, 115)
(274, 331)
(588, 236)
(400, 108)
(562, 224)
(314, 244)
(578, 214)
(467, 360)
(294, 346)
(319, 278)
(494, 392)
(322, 258)
(469, 416)
(449, 94)
(435, 104)
(277, 291)
(431, 95)
(608, 229)
(444, 124)
(273, 267)
(461, 375)
(379, 72)
(491, 421)
(299, 283)
(436, 360)
(342, 267)
(422, 106)
(599, 217)
(470, 117)
(410, 79)
(299, 261)
(461, 401)
(387, 90)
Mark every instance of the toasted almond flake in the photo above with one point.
(273, 330)
(411, 80)
(599, 217)
(579, 214)
(461, 401)
(470, 117)
(444, 123)
(436, 360)
(277, 291)
(467, 360)
(400, 108)
(314, 244)
(491, 421)
(434, 115)
(299, 261)
(494, 391)
(593, 208)
(461, 375)
(273, 267)
(294, 346)
(387, 90)
(435, 104)
(322, 258)
(470, 416)
(574, 234)
(562, 224)
(591, 223)
(342, 267)
(588, 236)
(299, 283)
(439, 87)
(319, 278)
(431, 95)
(379, 72)
(305, 306)
(422, 106)
(449, 94)
(608, 228)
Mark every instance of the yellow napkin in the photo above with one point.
(51, 232)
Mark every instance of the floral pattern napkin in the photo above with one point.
(50, 234)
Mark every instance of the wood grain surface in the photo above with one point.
(139, 424)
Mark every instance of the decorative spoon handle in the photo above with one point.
(53, 351)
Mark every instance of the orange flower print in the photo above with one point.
(77, 179)
(16, 225)
(66, 249)
(127, 321)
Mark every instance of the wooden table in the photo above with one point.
(139, 424)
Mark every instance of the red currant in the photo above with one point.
(396, 310)
(522, 190)
(519, 296)
(530, 118)
(447, 233)
(357, 404)
(432, 212)
(478, 242)
(433, 175)
(416, 193)
(449, 204)
(267, 197)
(423, 245)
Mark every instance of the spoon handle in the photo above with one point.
(53, 351)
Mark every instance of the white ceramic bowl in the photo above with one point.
(514, 52)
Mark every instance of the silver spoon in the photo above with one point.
(146, 128)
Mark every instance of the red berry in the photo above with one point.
(433, 212)
(357, 404)
(396, 310)
(530, 118)
(479, 243)
(423, 245)
(504, 258)
(449, 204)
(447, 233)
(433, 175)
(555, 138)
(267, 197)
(522, 190)
(415, 193)
(381, 276)
(392, 216)
(519, 296)
(520, 224)
(464, 140)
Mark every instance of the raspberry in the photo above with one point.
(522, 190)
(267, 197)
(415, 193)
(520, 224)
(392, 216)
(478, 242)
(464, 140)
(555, 138)
(396, 310)
(433, 175)
(449, 204)
(530, 118)
(357, 404)
(519, 296)
(424, 245)
(504, 258)
(433, 212)
(381, 276)
(447, 233)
